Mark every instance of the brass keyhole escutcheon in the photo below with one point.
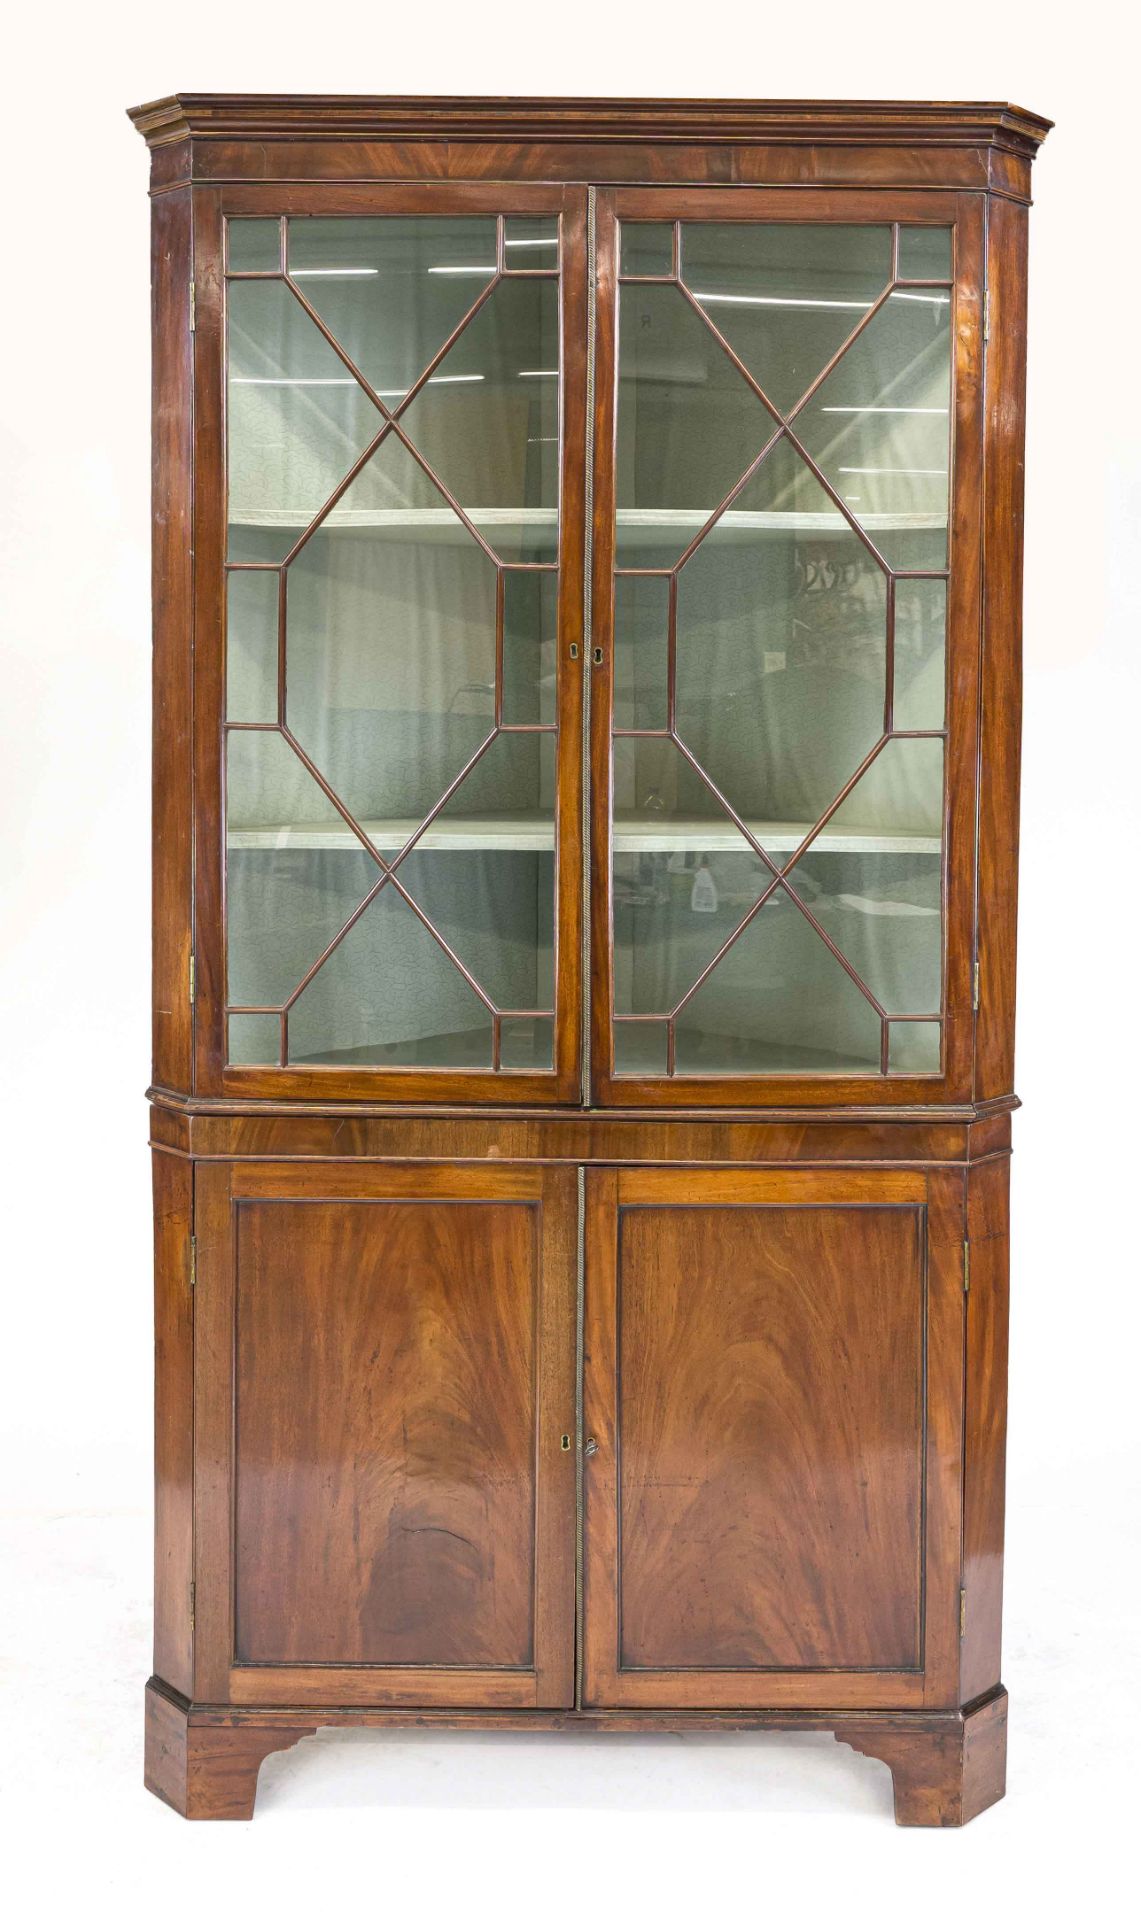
(565, 1443)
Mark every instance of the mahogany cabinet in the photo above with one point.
(587, 564)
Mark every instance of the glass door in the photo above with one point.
(402, 630)
(784, 589)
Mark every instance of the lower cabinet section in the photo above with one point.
(640, 1445)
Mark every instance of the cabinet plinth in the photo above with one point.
(583, 1053)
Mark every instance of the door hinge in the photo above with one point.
(193, 1263)
(193, 307)
(975, 986)
(193, 1590)
(966, 1266)
(986, 316)
(962, 1613)
(191, 979)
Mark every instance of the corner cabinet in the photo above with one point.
(587, 554)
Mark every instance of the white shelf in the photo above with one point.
(534, 833)
(650, 524)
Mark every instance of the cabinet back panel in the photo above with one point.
(385, 1433)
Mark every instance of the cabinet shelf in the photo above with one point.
(649, 524)
(534, 833)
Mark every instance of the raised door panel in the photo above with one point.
(786, 587)
(400, 1356)
(759, 1381)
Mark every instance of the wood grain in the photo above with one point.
(984, 1445)
(173, 1184)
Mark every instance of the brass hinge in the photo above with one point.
(986, 316)
(962, 1613)
(192, 1592)
(193, 1261)
(966, 1266)
(192, 980)
(975, 986)
(193, 307)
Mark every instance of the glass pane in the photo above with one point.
(913, 1046)
(390, 644)
(647, 247)
(389, 996)
(883, 911)
(641, 652)
(251, 646)
(531, 246)
(488, 426)
(526, 1045)
(785, 297)
(925, 253)
(254, 1039)
(781, 648)
(483, 873)
(689, 426)
(920, 654)
(530, 647)
(779, 1002)
(640, 1047)
(683, 876)
(879, 428)
(392, 291)
(294, 871)
(253, 246)
(297, 420)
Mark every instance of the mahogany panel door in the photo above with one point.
(390, 425)
(786, 611)
(384, 1412)
(772, 1421)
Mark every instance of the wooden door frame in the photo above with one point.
(966, 212)
(212, 207)
(940, 1195)
(220, 1189)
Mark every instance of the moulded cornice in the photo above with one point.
(237, 116)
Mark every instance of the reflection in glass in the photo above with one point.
(392, 292)
(785, 297)
(879, 428)
(531, 246)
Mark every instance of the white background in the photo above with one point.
(433, 1824)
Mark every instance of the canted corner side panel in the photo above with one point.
(386, 1379)
(984, 1463)
(772, 1363)
(1001, 705)
(172, 407)
(174, 1422)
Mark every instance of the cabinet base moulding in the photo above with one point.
(946, 1766)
